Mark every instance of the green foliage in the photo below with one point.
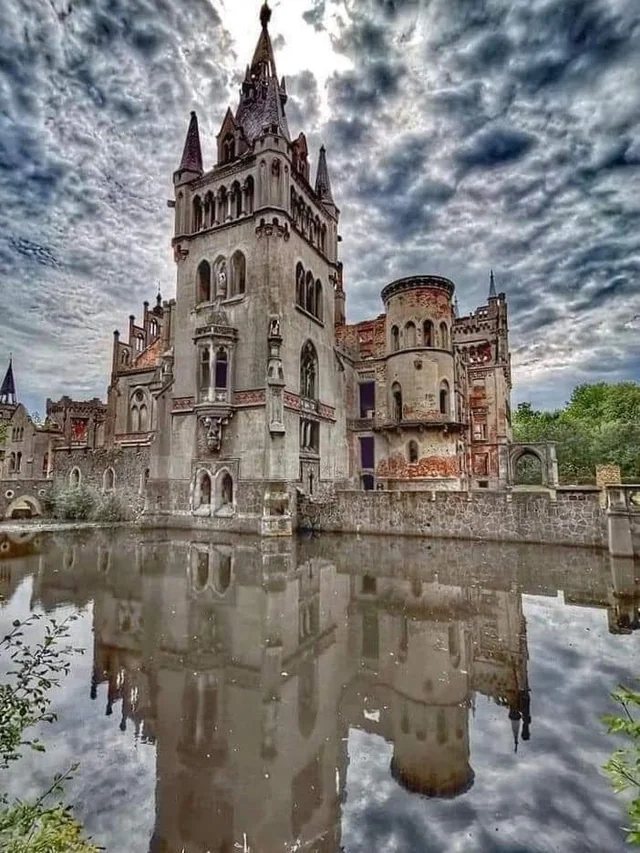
(623, 768)
(4, 429)
(109, 510)
(24, 703)
(73, 503)
(599, 425)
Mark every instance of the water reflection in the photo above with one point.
(248, 662)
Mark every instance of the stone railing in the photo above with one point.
(623, 498)
(623, 519)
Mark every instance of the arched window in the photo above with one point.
(197, 213)
(222, 369)
(396, 396)
(139, 343)
(222, 575)
(18, 462)
(413, 451)
(220, 278)
(427, 333)
(238, 274)
(204, 484)
(144, 418)
(395, 339)
(203, 282)
(294, 206)
(75, 477)
(276, 183)
(153, 328)
(108, 480)
(12, 463)
(310, 293)
(236, 200)
(410, 334)
(300, 284)
(226, 490)
(138, 412)
(222, 204)
(209, 209)
(309, 371)
(228, 148)
(249, 191)
(444, 336)
(204, 371)
(444, 397)
(318, 305)
(45, 465)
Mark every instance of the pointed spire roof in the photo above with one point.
(323, 184)
(192, 153)
(8, 388)
(262, 98)
(492, 287)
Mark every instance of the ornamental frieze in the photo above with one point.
(257, 397)
(183, 404)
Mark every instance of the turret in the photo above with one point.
(323, 185)
(8, 388)
(191, 163)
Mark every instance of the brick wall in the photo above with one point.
(574, 518)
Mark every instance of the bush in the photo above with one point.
(109, 510)
(74, 503)
(623, 768)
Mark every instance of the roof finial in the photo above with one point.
(265, 15)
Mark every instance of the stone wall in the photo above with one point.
(129, 465)
(12, 490)
(574, 517)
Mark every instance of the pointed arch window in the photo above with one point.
(444, 335)
(222, 369)
(75, 477)
(204, 371)
(395, 339)
(310, 293)
(197, 213)
(444, 397)
(108, 480)
(138, 412)
(396, 396)
(203, 282)
(249, 194)
(236, 200)
(410, 334)
(238, 274)
(228, 148)
(309, 371)
(300, 285)
(427, 333)
(318, 300)
(413, 451)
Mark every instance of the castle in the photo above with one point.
(250, 386)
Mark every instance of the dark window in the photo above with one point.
(396, 393)
(367, 399)
(367, 452)
(221, 369)
(413, 451)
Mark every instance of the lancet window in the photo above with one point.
(309, 371)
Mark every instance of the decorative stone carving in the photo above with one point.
(213, 433)
(179, 254)
(221, 284)
(272, 229)
(275, 378)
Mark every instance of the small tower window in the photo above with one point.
(395, 339)
(205, 371)
(444, 397)
(300, 285)
(413, 451)
(238, 274)
(427, 333)
(75, 477)
(222, 369)
(396, 394)
(108, 480)
(197, 213)
(226, 490)
(203, 282)
(318, 300)
(444, 336)
(205, 489)
(410, 335)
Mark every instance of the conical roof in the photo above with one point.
(492, 287)
(323, 184)
(8, 388)
(192, 154)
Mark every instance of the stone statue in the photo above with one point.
(274, 327)
(221, 290)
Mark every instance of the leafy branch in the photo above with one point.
(623, 768)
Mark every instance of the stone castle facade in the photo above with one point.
(250, 387)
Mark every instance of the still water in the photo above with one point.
(332, 693)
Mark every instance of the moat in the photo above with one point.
(330, 693)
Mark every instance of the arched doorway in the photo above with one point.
(528, 469)
(24, 506)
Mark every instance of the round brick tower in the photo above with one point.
(421, 425)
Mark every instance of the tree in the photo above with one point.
(45, 826)
(623, 768)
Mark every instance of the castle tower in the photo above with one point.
(255, 395)
(419, 445)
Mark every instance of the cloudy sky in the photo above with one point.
(462, 135)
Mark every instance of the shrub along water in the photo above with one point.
(80, 503)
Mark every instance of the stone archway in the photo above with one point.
(24, 506)
(544, 454)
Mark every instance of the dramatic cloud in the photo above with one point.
(461, 136)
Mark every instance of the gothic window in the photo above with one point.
(318, 305)
(294, 206)
(236, 200)
(220, 278)
(309, 436)
(222, 577)
(75, 477)
(144, 418)
(323, 238)
(45, 465)
(108, 480)
(413, 451)
(203, 282)
(300, 284)
(226, 490)
(238, 274)
(222, 369)
(139, 412)
(228, 148)
(153, 328)
(204, 371)
(249, 191)
(12, 463)
(222, 204)
(310, 294)
(139, 343)
(396, 395)
(427, 333)
(197, 213)
(209, 209)
(309, 371)
(444, 397)
(204, 484)
(410, 334)
(276, 183)
(444, 336)
(395, 339)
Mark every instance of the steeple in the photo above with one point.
(8, 389)
(323, 184)
(492, 287)
(191, 161)
(262, 97)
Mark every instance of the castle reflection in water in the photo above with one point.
(248, 661)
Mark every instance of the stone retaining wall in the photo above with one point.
(12, 489)
(571, 517)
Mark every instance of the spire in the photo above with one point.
(8, 389)
(492, 287)
(323, 184)
(192, 153)
(456, 307)
(262, 97)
